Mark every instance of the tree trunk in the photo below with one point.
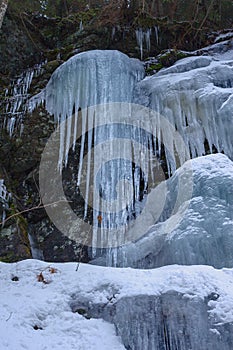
(173, 9)
(3, 7)
(154, 9)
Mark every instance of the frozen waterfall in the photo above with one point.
(92, 98)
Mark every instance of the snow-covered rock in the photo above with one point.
(221, 50)
(174, 307)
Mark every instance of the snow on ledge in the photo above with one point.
(27, 303)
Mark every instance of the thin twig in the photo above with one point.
(27, 31)
(40, 206)
(9, 316)
(205, 18)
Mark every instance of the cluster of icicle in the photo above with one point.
(91, 79)
(196, 96)
(16, 97)
(87, 79)
(144, 36)
(4, 200)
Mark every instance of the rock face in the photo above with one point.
(190, 118)
(18, 48)
(14, 243)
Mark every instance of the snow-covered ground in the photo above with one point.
(27, 304)
(37, 315)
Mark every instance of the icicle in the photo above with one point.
(142, 36)
(11, 126)
(89, 159)
(3, 217)
(80, 71)
(17, 97)
(147, 35)
(76, 118)
(113, 32)
(81, 26)
(157, 35)
(61, 146)
(4, 200)
(86, 80)
(82, 148)
(139, 36)
(37, 253)
(68, 139)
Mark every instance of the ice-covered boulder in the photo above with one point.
(204, 234)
